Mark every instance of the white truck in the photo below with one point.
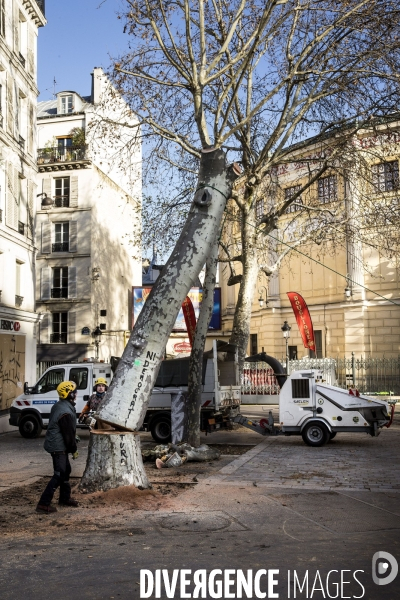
(317, 411)
(220, 397)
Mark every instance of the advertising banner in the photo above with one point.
(140, 294)
(303, 319)
(190, 318)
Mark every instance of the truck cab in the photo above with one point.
(30, 411)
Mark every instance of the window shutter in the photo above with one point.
(73, 236)
(46, 237)
(31, 51)
(73, 194)
(72, 282)
(10, 106)
(71, 327)
(45, 328)
(45, 283)
(12, 206)
(31, 222)
(47, 186)
(31, 128)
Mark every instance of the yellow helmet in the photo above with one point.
(65, 388)
(100, 381)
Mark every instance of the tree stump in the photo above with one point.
(114, 459)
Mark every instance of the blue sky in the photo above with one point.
(79, 35)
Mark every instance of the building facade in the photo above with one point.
(88, 225)
(352, 288)
(19, 23)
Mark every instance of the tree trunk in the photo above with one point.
(125, 403)
(114, 460)
(241, 320)
(196, 357)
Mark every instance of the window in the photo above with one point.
(50, 381)
(289, 193)
(253, 344)
(61, 237)
(66, 105)
(103, 312)
(2, 18)
(327, 189)
(318, 345)
(80, 377)
(103, 326)
(60, 283)
(292, 352)
(60, 328)
(61, 198)
(385, 176)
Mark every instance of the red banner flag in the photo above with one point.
(303, 319)
(190, 318)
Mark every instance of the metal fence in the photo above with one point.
(368, 375)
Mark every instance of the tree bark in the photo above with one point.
(241, 320)
(126, 401)
(196, 357)
(114, 460)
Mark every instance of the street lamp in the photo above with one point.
(286, 334)
(97, 335)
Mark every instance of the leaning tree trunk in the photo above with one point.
(125, 404)
(242, 317)
(196, 356)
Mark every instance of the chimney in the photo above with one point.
(97, 84)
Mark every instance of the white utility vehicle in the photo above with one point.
(317, 411)
(221, 396)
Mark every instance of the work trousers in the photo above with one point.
(62, 470)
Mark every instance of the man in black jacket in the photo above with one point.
(60, 440)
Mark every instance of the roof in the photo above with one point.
(48, 108)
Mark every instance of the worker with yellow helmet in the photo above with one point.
(60, 441)
(100, 387)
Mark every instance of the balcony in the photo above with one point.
(22, 59)
(18, 301)
(61, 201)
(21, 142)
(60, 247)
(21, 228)
(58, 338)
(59, 292)
(62, 158)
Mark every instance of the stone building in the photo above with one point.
(88, 224)
(19, 23)
(347, 318)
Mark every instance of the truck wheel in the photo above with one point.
(315, 434)
(30, 426)
(160, 428)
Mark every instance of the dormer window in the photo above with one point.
(66, 104)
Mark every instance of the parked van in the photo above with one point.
(221, 396)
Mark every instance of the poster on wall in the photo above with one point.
(140, 295)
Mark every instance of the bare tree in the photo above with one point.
(247, 78)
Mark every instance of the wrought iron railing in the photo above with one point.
(369, 375)
(60, 247)
(59, 292)
(61, 154)
(58, 338)
(21, 228)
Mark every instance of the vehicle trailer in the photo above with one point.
(317, 411)
(221, 396)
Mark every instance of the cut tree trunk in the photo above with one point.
(196, 357)
(114, 460)
(125, 403)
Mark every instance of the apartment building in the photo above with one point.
(88, 224)
(19, 24)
